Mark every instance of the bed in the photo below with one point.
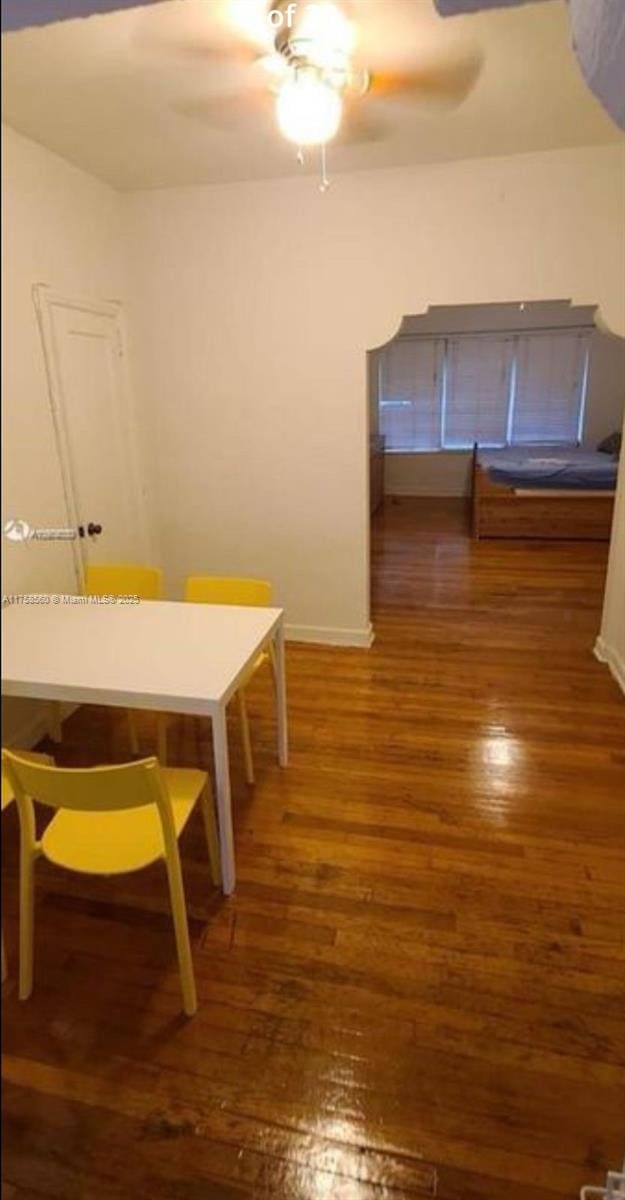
(543, 492)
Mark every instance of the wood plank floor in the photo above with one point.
(417, 989)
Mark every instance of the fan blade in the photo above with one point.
(443, 81)
(398, 33)
(193, 29)
(226, 113)
(359, 126)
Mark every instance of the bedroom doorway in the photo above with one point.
(534, 387)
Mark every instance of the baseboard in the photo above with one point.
(323, 635)
(425, 494)
(606, 654)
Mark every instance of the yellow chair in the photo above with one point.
(8, 798)
(126, 579)
(218, 589)
(123, 579)
(252, 593)
(109, 820)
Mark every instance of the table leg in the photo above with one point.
(280, 679)
(54, 722)
(224, 806)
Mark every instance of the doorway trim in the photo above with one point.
(46, 299)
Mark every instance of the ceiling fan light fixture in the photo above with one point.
(324, 34)
(308, 109)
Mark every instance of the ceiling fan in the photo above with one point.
(322, 65)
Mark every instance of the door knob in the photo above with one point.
(92, 530)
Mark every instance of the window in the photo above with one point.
(446, 393)
(550, 388)
(409, 396)
(478, 372)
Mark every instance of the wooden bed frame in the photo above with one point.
(501, 511)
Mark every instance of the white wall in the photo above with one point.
(254, 305)
(445, 473)
(605, 404)
(61, 227)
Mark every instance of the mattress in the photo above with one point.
(565, 467)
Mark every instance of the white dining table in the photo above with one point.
(162, 655)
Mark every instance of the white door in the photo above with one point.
(95, 428)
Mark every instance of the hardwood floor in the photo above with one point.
(417, 989)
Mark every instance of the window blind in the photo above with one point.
(477, 387)
(550, 383)
(496, 389)
(410, 395)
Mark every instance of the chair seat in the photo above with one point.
(110, 843)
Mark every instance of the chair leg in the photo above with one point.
(161, 738)
(55, 725)
(5, 970)
(212, 836)
(245, 734)
(181, 930)
(274, 663)
(27, 913)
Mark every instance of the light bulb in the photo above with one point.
(308, 110)
(326, 33)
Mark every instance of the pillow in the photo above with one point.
(611, 445)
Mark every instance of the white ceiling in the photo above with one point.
(98, 92)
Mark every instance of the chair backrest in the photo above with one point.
(216, 589)
(123, 579)
(8, 795)
(7, 790)
(97, 789)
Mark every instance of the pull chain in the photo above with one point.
(325, 182)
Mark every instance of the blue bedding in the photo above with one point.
(550, 467)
